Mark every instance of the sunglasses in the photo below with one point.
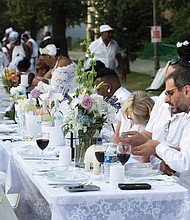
(180, 61)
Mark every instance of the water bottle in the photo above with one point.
(109, 159)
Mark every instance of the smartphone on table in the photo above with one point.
(134, 186)
(82, 188)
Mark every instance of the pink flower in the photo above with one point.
(87, 102)
(35, 93)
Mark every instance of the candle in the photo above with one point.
(116, 175)
(24, 80)
(64, 156)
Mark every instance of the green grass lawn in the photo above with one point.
(138, 81)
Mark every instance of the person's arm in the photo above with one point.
(44, 79)
(121, 66)
(115, 136)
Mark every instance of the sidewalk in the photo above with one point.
(139, 65)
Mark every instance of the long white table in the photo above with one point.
(41, 201)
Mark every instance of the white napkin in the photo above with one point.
(155, 180)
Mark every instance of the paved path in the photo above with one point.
(139, 65)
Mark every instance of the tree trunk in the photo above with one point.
(127, 61)
(59, 26)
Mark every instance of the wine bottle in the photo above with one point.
(57, 115)
(46, 117)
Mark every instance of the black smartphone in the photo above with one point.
(82, 188)
(134, 186)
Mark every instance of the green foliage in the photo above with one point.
(29, 14)
(180, 21)
(85, 80)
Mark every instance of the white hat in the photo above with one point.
(8, 30)
(105, 27)
(13, 36)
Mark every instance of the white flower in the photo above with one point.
(180, 44)
(14, 91)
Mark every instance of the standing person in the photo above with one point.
(32, 44)
(6, 43)
(62, 72)
(47, 35)
(107, 51)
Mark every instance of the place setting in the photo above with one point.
(39, 149)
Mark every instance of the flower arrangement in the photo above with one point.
(16, 93)
(87, 110)
(10, 78)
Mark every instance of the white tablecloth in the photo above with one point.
(41, 201)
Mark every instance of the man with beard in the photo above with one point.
(164, 121)
(178, 159)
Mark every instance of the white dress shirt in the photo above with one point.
(105, 54)
(122, 94)
(165, 128)
(178, 160)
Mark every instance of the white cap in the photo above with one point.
(13, 36)
(8, 30)
(105, 27)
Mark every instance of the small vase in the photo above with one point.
(85, 141)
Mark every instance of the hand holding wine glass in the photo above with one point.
(42, 141)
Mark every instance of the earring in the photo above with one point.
(108, 91)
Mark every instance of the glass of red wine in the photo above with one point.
(123, 152)
(99, 153)
(42, 141)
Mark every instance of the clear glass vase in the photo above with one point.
(85, 141)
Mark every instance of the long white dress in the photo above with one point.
(61, 77)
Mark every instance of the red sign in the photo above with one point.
(156, 34)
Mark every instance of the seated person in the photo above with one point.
(23, 67)
(108, 85)
(62, 72)
(134, 115)
(41, 70)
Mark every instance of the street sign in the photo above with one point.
(156, 34)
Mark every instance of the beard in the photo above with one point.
(176, 110)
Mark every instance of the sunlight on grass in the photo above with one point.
(138, 81)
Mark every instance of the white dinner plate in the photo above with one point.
(148, 173)
(6, 130)
(35, 152)
(74, 177)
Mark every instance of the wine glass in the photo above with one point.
(123, 152)
(42, 141)
(99, 153)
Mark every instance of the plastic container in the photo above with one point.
(109, 159)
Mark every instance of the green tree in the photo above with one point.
(32, 15)
(179, 17)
